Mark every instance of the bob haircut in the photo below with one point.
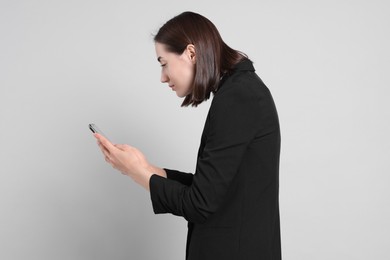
(214, 58)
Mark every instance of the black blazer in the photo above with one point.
(231, 202)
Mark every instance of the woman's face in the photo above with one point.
(177, 70)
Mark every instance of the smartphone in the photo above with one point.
(96, 129)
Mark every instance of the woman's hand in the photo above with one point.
(126, 159)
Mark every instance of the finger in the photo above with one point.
(107, 159)
(104, 150)
(104, 141)
(121, 146)
(102, 146)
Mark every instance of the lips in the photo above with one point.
(172, 87)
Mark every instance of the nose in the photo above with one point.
(164, 78)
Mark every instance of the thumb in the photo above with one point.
(105, 142)
(121, 146)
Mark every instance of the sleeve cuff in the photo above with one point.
(182, 177)
(156, 188)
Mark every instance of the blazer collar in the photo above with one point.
(244, 65)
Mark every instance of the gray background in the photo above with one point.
(64, 64)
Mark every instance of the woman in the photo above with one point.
(231, 201)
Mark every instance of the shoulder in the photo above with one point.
(242, 87)
(243, 94)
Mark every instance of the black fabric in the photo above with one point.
(231, 202)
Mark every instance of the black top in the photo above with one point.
(231, 202)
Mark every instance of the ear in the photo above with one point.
(191, 53)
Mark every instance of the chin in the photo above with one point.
(180, 95)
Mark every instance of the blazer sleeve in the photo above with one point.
(232, 126)
(182, 177)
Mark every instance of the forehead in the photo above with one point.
(161, 49)
(163, 53)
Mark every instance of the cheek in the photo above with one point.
(187, 76)
(182, 75)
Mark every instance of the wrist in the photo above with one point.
(158, 171)
(146, 180)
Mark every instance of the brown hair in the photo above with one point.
(214, 58)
